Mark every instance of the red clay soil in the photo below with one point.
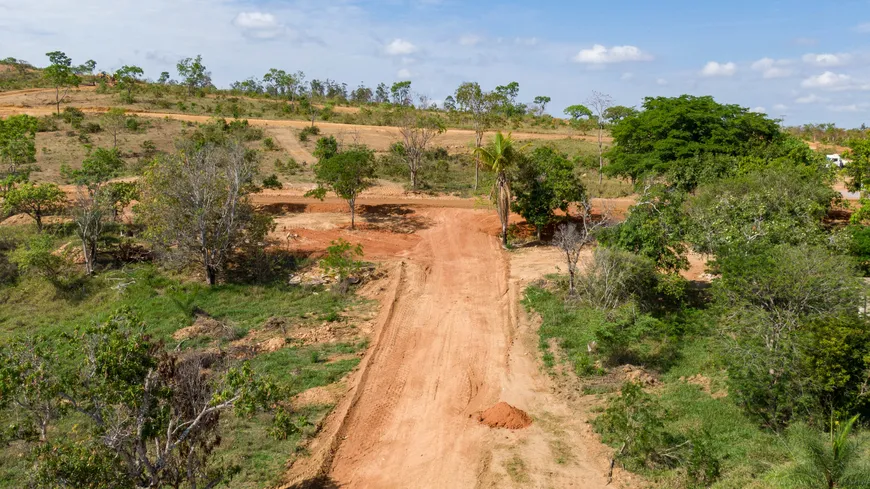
(503, 415)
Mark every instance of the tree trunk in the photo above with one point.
(37, 216)
(571, 289)
(210, 275)
(539, 228)
(89, 261)
(413, 178)
(352, 204)
(600, 157)
(57, 98)
(476, 172)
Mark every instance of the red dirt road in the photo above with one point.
(447, 345)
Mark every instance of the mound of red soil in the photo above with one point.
(503, 415)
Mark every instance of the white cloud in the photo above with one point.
(772, 68)
(599, 54)
(827, 59)
(758, 110)
(400, 47)
(469, 40)
(526, 41)
(780, 107)
(846, 108)
(626, 76)
(714, 68)
(833, 81)
(404, 73)
(256, 20)
(865, 27)
(809, 99)
(661, 82)
(259, 25)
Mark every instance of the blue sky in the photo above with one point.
(801, 60)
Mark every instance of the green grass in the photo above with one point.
(164, 303)
(746, 452)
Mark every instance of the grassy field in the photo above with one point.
(250, 316)
(690, 385)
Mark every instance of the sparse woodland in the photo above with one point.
(155, 331)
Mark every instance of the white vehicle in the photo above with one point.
(837, 160)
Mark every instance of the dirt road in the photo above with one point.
(448, 346)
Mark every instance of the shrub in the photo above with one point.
(73, 116)
(272, 182)
(47, 123)
(92, 128)
(341, 259)
(37, 256)
(308, 131)
(615, 277)
(269, 144)
(133, 124)
(289, 168)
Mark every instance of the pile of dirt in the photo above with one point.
(638, 375)
(204, 326)
(503, 415)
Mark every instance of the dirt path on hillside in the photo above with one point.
(447, 346)
(287, 139)
(36, 102)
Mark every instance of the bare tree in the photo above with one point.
(88, 214)
(418, 130)
(114, 121)
(599, 103)
(478, 105)
(196, 205)
(572, 238)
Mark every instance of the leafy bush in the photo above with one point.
(37, 256)
(73, 116)
(47, 123)
(635, 420)
(272, 182)
(133, 124)
(341, 259)
(269, 144)
(92, 128)
(790, 315)
(307, 132)
(326, 148)
(289, 168)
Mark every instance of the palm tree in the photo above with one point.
(826, 462)
(500, 156)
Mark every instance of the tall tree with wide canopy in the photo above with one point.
(677, 131)
(501, 155)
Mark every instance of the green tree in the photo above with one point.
(17, 149)
(501, 155)
(541, 101)
(655, 228)
(758, 210)
(671, 132)
(127, 77)
(341, 259)
(194, 74)
(325, 148)
(90, 207)
(401, 93)
(617, 113)
(543, 182)
(347, 174)
(35, 200)
(858, 170)
(119, 195)
(61, 75)
(826, 461)
(774, 302)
